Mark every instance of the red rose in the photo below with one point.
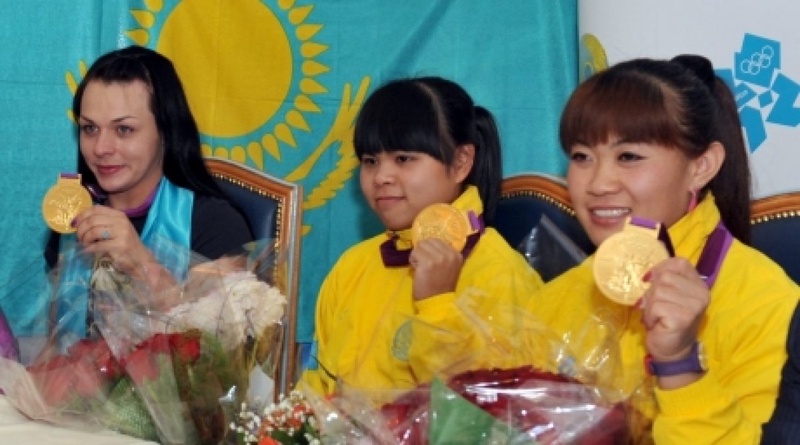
(52, 378)
(98, 352)
(186, 346)
(157, 344)
(63, 378)
(141, 365)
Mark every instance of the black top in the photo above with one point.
(784, 425)
(218, 229)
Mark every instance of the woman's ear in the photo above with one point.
(463, 162)
(708, 165)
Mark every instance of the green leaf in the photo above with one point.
(455, 420)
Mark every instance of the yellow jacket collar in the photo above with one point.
(689, 234)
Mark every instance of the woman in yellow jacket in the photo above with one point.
(660, 141)
(420, 141)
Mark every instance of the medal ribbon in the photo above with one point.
(663, 236)
(714, 251)
(134, 212)
(392, 257)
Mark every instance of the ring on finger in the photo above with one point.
(105, 235)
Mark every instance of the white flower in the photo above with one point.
(237, 306)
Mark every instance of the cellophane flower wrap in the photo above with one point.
(170, 365)
(523, 385)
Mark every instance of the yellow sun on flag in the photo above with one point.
(238, 65)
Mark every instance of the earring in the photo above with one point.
(692, 200)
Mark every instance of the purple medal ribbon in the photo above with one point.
(392, 257)
(714, 251)
(134, 212)
(663, 236)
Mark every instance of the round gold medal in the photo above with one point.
(441, 221)
(622, 260)
(63, 202)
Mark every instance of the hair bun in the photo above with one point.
(700, 66)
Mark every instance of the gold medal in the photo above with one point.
(622, 260)
(64, 201)
(441, 221)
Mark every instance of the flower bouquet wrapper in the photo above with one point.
(524, 384)
(24, 301)
(167, 363)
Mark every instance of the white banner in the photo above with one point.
(755, 46)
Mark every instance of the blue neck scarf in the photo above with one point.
(168, 225)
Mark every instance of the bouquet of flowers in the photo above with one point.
(289, 421)
(170, 365)
(525, 386)
(519, 405)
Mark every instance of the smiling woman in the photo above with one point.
(139, 153)
(655, 147)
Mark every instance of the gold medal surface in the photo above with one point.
(441, 221)
(63, 202)
(622, 260)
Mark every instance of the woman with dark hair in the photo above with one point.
(421, 141)
(657, 144)
(139, 154)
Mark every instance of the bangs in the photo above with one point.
(622, 105)
(400, 117)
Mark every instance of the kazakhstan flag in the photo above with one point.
(277, 85)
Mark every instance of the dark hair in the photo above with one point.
(434, 116)
(677, 103)
(183, 160)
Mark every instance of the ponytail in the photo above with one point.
(732, 185)
(487, 169)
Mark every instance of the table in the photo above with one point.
(19, 430)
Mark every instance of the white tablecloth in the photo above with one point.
(16, 429)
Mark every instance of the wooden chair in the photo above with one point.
(525, 198)
(775, 224)
(273, 209)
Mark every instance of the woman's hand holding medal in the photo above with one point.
(672, 308)
(636, 266)
(67, 208)
(438, 234)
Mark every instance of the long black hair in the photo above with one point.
(183, 161)
(434, 116)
